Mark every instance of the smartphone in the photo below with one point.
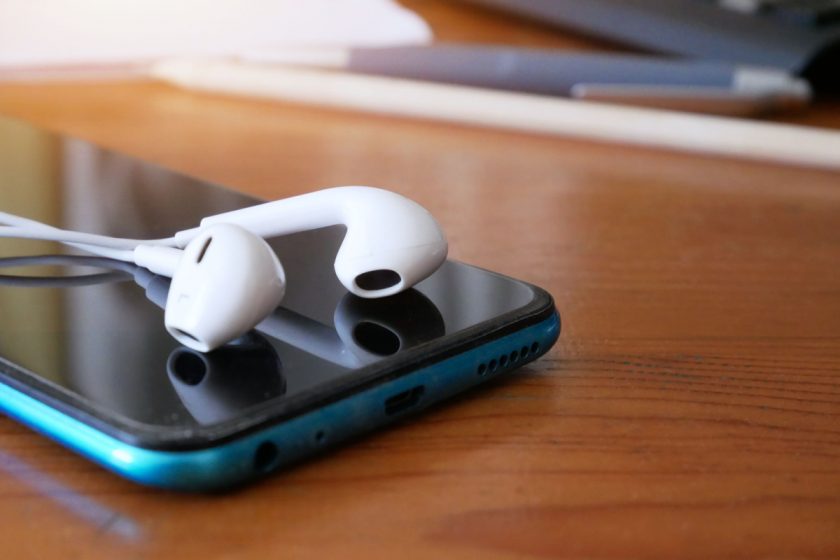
(85, 358)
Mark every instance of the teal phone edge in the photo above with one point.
(273, 447)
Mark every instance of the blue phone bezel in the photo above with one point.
(237, 461)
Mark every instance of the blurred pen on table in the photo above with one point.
(522, 112)
(650, 81)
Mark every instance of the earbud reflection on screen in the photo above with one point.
(225, 277)
(365, 330)
(221, 385)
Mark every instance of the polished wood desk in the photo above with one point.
(689, 410)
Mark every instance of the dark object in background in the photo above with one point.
(800, 36)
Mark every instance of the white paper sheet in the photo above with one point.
(53, 33)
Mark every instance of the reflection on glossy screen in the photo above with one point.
(106, 342)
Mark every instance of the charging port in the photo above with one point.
(403, 401)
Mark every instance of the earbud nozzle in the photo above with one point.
(384, 273)
(380, 279)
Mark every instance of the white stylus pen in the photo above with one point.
(511, 111)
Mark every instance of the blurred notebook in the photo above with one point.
(799, 36)
(37, 34)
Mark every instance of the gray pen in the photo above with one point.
(643, 80)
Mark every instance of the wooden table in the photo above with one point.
(690, 408)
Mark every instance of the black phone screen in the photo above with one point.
(89, 332)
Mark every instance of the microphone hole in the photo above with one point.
(378, 280)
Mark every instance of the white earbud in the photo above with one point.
(225, 277)
(224, 282)
(391, 243)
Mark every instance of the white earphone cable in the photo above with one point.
(71, 237)
(13, 220)
(126, 255)
(103, 245)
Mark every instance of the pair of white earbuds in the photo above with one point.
(226, 278)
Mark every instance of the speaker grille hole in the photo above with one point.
(506, 360)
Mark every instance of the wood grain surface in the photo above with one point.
(689, 410)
